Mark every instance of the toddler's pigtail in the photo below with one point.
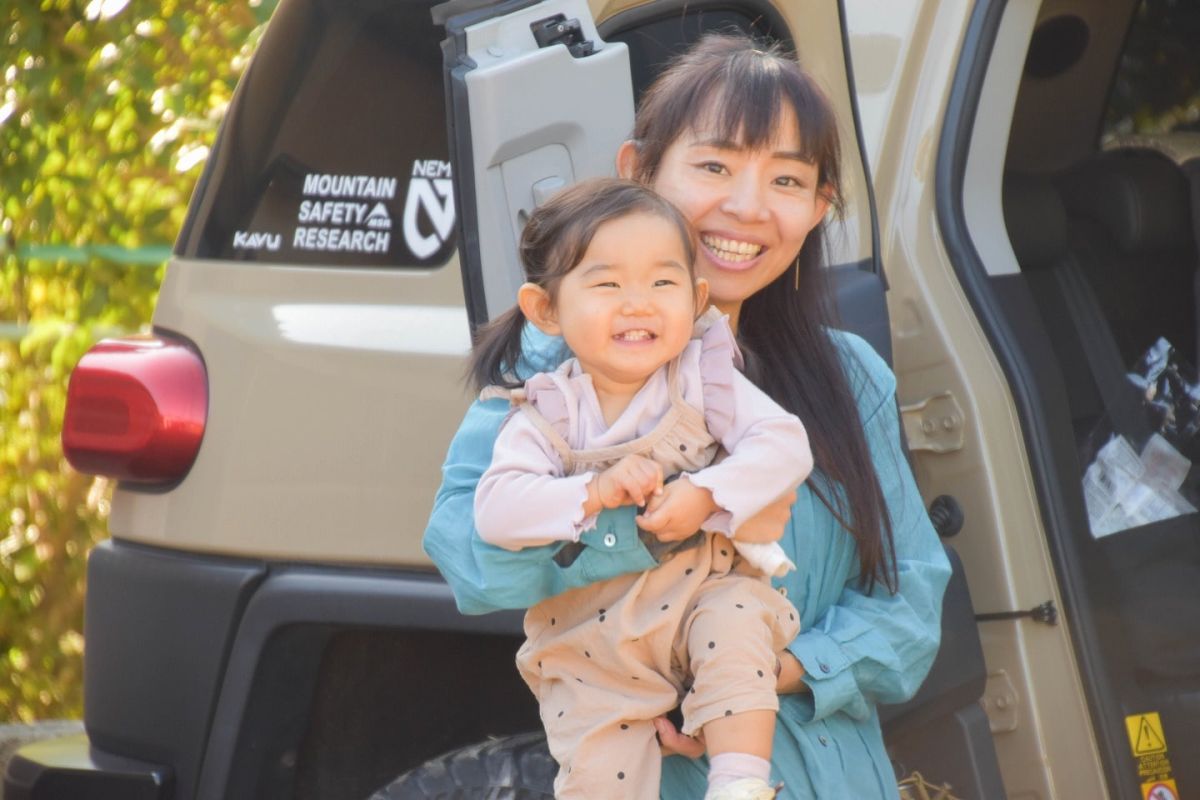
(497, 351)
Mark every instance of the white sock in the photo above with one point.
(729, 767)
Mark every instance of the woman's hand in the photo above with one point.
(674, 743)
(678, 512)
(790, 679)
(769, 524)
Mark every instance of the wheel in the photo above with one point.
(511, 768)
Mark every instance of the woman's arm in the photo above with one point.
(877, 647)
(486, 578)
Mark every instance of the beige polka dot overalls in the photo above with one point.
(606, 659)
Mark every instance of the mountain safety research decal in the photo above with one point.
(1149, 746)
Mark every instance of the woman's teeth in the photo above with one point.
(731, 249)
(634, 336)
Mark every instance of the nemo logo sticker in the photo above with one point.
(430, 190)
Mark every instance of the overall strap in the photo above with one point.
(517, 397)
(554, 437)
(676, 392)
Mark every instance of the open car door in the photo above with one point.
(536, 101)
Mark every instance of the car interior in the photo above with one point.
(1099, 196)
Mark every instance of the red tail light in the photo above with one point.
(136, 409)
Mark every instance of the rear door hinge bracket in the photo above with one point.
(934, 424)
(999, 702)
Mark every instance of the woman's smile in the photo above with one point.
(729, 252)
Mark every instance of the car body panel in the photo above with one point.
(310, 369)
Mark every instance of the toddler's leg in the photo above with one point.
(733, 635)
(600, 752)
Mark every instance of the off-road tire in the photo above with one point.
(512, 768)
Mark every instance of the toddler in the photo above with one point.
(637, 416)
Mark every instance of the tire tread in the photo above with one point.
(509, 768)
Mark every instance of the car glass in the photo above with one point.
(334, 150)
(1157, 85)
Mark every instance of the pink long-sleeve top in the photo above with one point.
(524, 499)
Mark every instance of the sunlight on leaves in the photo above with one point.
(107, 113)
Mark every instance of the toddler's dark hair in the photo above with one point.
(554, 241)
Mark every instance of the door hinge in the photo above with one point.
(934, 424)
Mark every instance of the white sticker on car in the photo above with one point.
(431, 190)
(332, 240)
(336, 225)
(353, 214)
(366, 186)
(256, 240)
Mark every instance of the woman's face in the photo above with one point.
(753, 209)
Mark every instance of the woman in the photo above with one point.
(742, 141)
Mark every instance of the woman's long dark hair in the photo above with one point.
(553, 242)
(743, 87)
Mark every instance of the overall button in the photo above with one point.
(825, 668)
(610, 540)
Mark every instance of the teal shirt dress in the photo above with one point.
(857, 649)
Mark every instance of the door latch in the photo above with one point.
(560, 30)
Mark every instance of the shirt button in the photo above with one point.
(825, 668)
(824, 742)
(783, 590)
(610, 540)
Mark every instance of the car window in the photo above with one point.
(655, 34)
(1157, 86)
(334, 150)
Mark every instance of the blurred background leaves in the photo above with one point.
(108, 109)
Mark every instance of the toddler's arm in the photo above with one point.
(486, 578)
(768, 455)
(523, 499)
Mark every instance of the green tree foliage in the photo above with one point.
(1157, 86)
(107, 111)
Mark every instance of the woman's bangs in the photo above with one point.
(747, 107)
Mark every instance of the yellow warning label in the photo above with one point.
(1160, 790)
(1145, 734)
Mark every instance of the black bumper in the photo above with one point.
(223, 678)
(69, 768)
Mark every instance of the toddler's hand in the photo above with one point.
(674, 743)
(631, 481)
(678, 512)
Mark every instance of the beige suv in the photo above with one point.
(1023, 200)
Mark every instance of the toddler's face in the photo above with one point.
(628, 307)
